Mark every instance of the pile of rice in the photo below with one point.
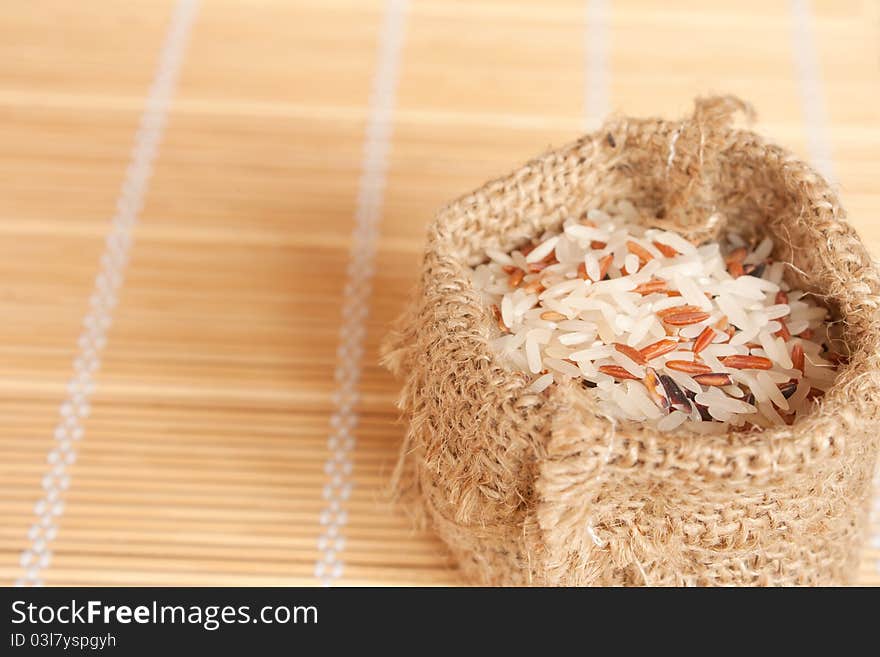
(662, 331)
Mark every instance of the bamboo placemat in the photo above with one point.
(201, 454)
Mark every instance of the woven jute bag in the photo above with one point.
(543, 489)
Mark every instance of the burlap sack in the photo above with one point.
(541, 489)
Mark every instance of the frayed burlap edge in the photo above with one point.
(541, 489)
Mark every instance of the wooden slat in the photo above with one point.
(203, 460)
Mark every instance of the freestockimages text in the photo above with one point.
(209, 617)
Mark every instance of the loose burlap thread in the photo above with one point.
(543, 489)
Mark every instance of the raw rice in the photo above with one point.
(621, 308)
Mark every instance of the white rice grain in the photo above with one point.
(734, 312)
(540, 384)
(671, 421)
(593, 353)
(499, 256)
(640, 330)
(533, 355)
(639, 396)
(691, 292)
(676, 242)
(628, 364)
(542, 250)
(760, 253)
(569, 370)
(631, 263)
(766, 409)
(685, 381)
(507, 310)
(772, 390)
(570, 339)
(777, 310)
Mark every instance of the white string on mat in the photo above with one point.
(356, 296)
(49, 510)
(597, 87)
(806, 60)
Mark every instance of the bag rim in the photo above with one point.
(791, 446)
